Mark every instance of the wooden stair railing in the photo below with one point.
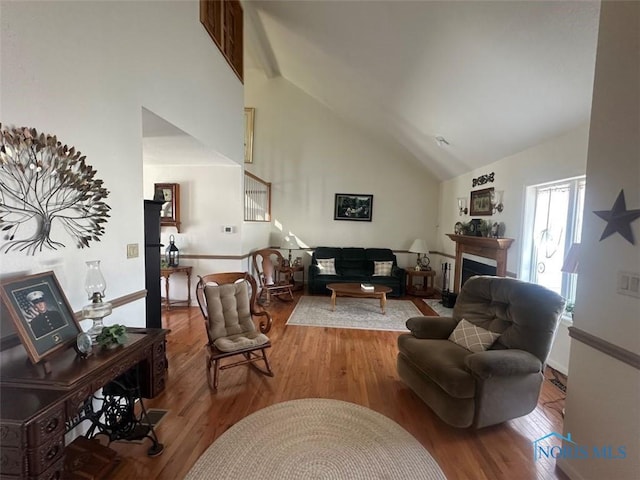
(257, 199)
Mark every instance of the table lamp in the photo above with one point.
(290, 243)
(419, 246)
(95, 286)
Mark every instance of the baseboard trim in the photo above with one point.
(563, 369)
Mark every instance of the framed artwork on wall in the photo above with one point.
(353, 206)
(40, 313)
(169, 193)
(481, 202)
(249, 115)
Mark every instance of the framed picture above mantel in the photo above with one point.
(481, 202)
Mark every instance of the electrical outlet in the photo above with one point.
(132, 250)
(629, 284)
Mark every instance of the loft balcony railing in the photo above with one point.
(257, 199)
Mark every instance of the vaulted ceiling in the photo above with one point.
(491, 78)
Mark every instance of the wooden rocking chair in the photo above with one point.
(231, 331)
(265, 262)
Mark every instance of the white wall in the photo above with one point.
(561, 157)
(83, 71)
(603, 404)
(210, 197)
(309, 154)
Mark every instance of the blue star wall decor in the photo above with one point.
(619, 219)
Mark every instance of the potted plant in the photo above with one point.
(570, 308)
(112, 336)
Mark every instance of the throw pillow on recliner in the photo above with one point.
(472, 337)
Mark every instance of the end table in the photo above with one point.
(424, 289)
(289, 272)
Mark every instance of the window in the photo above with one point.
(555, 211)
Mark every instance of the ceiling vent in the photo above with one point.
(441, 141)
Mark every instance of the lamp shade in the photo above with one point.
(419, 246)
(94, 282)
(572, 260)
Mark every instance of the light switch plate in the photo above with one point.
(132, 250)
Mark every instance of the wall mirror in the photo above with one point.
(169, 193)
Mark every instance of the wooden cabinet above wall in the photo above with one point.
(224, 21)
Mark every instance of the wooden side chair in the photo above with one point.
(227, 302)
(265, 262)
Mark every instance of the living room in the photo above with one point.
(97, 107)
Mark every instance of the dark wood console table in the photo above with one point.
(35, 407)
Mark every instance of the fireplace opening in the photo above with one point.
(471, 268)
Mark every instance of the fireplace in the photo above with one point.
(473, 265)
(491, 252)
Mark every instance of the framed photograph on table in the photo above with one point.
(40, 313)
(481, 202)
(353, 206)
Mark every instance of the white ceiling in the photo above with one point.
(493, 78)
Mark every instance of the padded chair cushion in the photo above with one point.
(229, 311)
(327, 266)
(472, 337)
(239, 342)
(441, 361)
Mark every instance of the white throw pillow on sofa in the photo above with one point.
(327, 266)
(382, 269)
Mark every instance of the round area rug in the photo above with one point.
(316, 439)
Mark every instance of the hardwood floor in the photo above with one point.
(351, 365)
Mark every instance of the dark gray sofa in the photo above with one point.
(355, 265)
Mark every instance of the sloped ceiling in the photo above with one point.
(492, 78)
(165, 144)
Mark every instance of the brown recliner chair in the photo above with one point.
(482, 387)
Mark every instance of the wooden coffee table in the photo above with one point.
(354, 290)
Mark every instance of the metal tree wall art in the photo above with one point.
(44, 184)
